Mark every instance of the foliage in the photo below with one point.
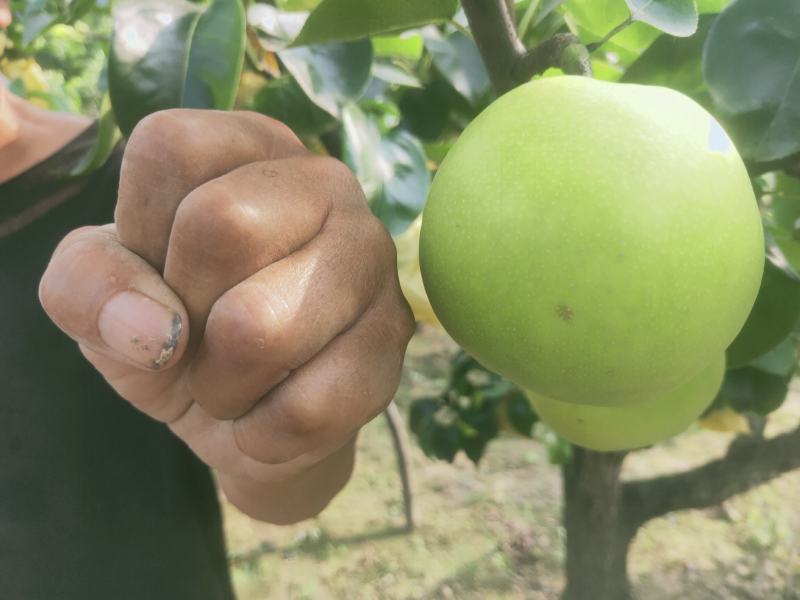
(387, 87)
(470, 412)
(166, 54)
(750, 65)
(55, 52)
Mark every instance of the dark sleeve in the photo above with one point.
(97, 501)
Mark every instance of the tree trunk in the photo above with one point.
(602, 514)
(597, 534)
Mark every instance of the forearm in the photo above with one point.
(296, 499)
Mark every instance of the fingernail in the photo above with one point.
(140, 328)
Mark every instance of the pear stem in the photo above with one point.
(507, 60)
(595, 45)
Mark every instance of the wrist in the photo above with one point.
(295, 498)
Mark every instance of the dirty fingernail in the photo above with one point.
(140, 328)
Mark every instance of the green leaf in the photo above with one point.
(753, 390)
(343, 20)
(295, 5)
(436, 151)
(674, 62)
(463, 368)
(445, 442)
(785, 213)
(675, 17)
(108, 135)
(392, 73)
(383, 110)
(283, 99)
(711, 6)
(533, 12)
(458, 60)
(17, 87)
(752, 65)
(542, 24)
(36, 20)
(331, 75)
(426, 111)
(408, 45)
(174, 54)
(276, 29)
(406, 182)
(478, 420)
(361, 140)
(435, 438)
(392, 170)
(520, 413)
(78, 9)
(774, 314)
(421, 414)
(215, 60)
(559, 450)
(591, 20)
(780, 361)
(474, 447)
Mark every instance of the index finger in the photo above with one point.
(172, 152)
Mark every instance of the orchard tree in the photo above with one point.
(389, 86)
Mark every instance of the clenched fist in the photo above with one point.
(245, 296)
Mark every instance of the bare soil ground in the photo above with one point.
(494, 532)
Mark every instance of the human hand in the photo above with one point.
(245, 296)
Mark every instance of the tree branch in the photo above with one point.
(497, 40)
(395, 422)
(748, 463)
(596, 45)
(504, 55)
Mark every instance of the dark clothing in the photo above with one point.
(97, 501)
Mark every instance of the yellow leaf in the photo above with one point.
(725, 420)
(28, 70)
(410, 277)
(249, 85)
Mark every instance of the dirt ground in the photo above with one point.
(494, 532)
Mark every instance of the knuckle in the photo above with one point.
(159, 132)
(301, 413)
(213, 220)
(160, 125)
(244, 325)
(254, 445)
(161, 154)
(340, 179)
(333, 167)
(300, 419)
(280, 129)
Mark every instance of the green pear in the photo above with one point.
(593, 242)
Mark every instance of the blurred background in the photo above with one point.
(494, 531)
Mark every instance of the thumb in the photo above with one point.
(111, 301)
